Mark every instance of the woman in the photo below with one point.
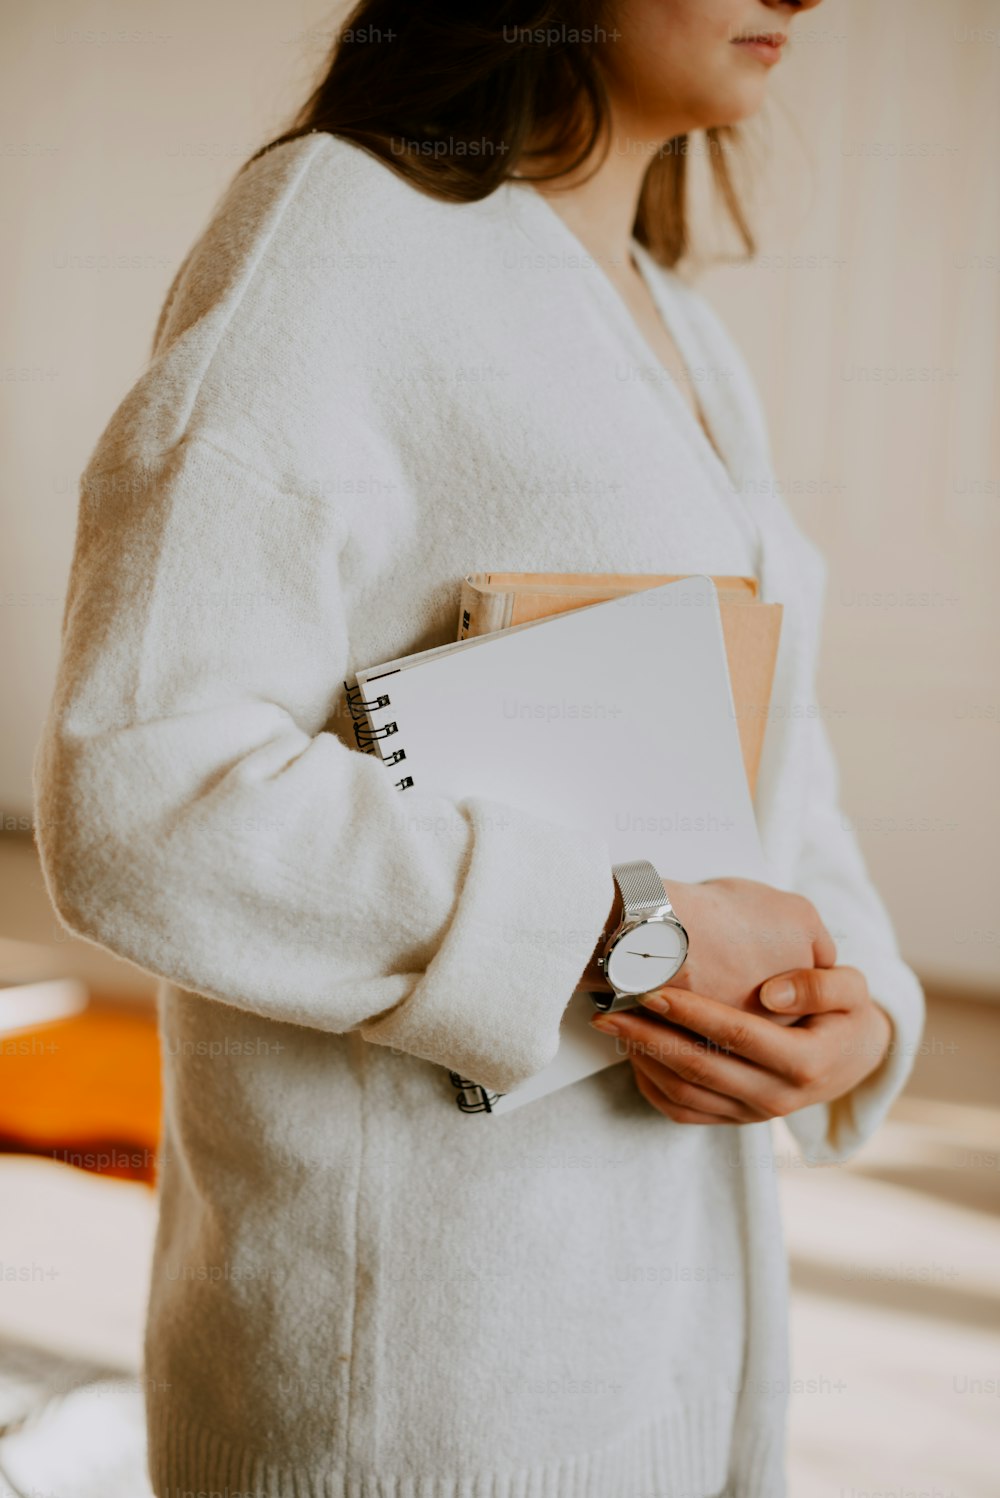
(436, 329)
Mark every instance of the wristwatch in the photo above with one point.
(649, 945)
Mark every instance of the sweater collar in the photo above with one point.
(540, 221)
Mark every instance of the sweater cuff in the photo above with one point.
(533, 904)
(829, 1133)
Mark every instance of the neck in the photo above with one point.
(601, 206)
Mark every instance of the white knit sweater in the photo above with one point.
(359, 394)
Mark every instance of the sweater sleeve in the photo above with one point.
(198, 815)
(833, 874)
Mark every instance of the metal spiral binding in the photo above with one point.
(357, 706)
(366, 737)
(481, 1099)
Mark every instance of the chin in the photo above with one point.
(724, 107)
(738, 104)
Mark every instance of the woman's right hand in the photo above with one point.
(741, 933)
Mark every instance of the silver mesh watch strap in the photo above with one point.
(641, 888)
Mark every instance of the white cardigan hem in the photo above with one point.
(681, 1454)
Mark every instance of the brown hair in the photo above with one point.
(458, 103)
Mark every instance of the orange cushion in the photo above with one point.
(85, 1090)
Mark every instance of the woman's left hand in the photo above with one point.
(699, 1061)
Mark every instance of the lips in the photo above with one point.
(765, 45)
(772, 38)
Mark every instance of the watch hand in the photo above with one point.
(633, 953)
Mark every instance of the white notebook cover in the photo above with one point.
(617, 718)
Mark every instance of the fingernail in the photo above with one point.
(656, 1002)
(606, 1024)
(778, 995)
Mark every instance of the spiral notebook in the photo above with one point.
(617, 718)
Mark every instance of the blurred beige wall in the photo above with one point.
(871, 320)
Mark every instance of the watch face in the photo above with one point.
(646, 956)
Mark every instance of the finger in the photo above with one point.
(692, 1097)
(671, 1110)
(694, 1059)
(811, 990)
(755, 1037)
(824, 948)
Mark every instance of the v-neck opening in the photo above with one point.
(705, 428)
(701, 429)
